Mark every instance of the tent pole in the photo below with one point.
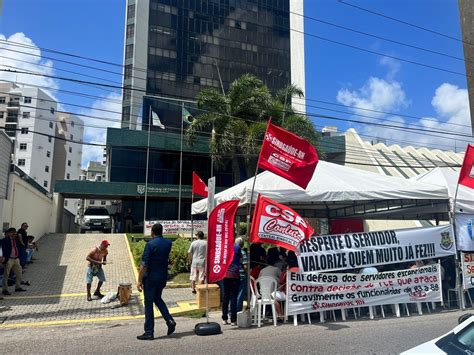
(452, 217)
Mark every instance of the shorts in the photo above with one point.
(89, 276)
(197, 273)
(279, 296)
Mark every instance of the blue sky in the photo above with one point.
(334, 73)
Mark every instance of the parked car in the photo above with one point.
(96, 219)
(460, 340)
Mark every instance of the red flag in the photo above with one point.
(199, 187)
(278, 224)
(220, 239)
(466, 176)
(288, 155)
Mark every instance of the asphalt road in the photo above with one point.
(383, 336)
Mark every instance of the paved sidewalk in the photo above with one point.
(57, 293)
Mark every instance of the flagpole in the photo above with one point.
(180, 162)
(192, 220)
(146, 171)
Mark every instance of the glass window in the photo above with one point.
(128, 51)
(103, 203)
(21, 162)
(68, 163)
(48, 154)
(70, 149)
(72, 137)
(23, 146)
(131, 11)
(27, 100)
(2, 114)
(91, 202)
(2, 99)
(26, 115)
(50, 139)
(72, 123)
(45, 183)
(46, 169)
(24, 130)
(50, 124)
(130, 30)
(68, 176)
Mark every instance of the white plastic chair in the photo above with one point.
(253, 301)
(265, 289)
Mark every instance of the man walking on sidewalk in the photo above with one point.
(152, 279)
(11, 254)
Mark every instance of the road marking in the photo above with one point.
(63, 295)
(173, 311)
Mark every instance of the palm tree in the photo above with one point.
(229, 116)
(238, 120)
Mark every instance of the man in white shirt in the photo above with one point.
(271, 270)
(197, 258)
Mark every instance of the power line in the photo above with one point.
(404, 22)
(379, 37)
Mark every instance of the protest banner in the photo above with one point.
(314, 292)
(357, 250)
(176, 227)
(220, 240)
(278, 224)
(467, 269)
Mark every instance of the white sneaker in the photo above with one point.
(233, 323)
(225, 322)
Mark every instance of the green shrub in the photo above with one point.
(179, 256)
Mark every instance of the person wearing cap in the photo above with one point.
(152, 278)
(11, 255)
(95, 260)
(197, 259)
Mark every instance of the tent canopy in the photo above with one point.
(337, 191)
(448, 178)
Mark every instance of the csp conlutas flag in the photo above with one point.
(278, 224)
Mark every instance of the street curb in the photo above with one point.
(177, 285)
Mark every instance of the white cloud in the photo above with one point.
(101, 108)
(27, 58)
(451, 104)
(376, 94)
(393, 66)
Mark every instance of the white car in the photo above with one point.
(96, 219)
(460, 340)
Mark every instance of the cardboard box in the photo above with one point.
(214, 296)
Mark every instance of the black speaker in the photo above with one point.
(210, 328)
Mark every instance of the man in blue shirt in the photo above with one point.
(152, 278)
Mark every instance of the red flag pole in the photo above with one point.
(249, 211)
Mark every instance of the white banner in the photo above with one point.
(467, 266)
(357, 250)
(175, 227)
(464, 231)
(314, 292)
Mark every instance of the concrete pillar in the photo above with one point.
(57, 213)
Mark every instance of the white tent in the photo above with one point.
(448, 178)
(334, 187)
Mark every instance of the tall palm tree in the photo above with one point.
(229, 116)
(239, 118)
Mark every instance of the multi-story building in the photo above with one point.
(28, 116)
(95, 171)
(175, 49)
(68, 153)
(466, 13)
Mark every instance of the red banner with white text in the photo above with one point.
(278, 224)
(287, 155)
(220, 240)
(466, 175)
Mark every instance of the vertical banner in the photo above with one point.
(220, 239)
(287, 155)
(464, 233)
(315, 292)
(278, 224)
(467, 266)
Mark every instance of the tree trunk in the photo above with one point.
(235, 170)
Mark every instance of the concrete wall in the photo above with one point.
(25, 203)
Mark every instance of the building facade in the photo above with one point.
(68, 153)
(175, 49)
(28, 116)
(466, 13)
(178, 48)
(95, 171)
